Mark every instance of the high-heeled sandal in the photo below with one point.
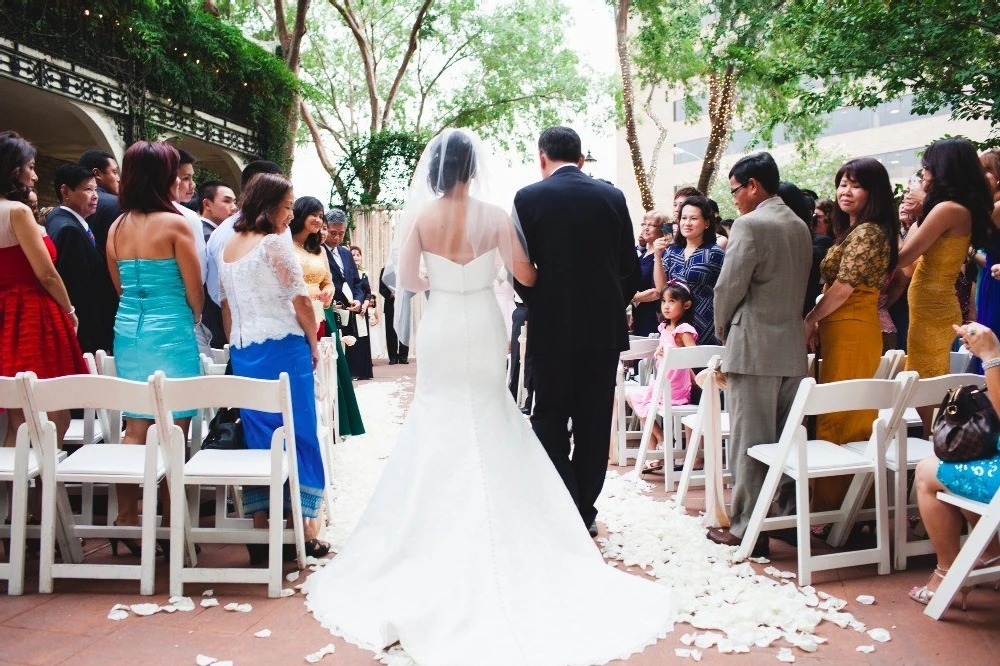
(134, 546)
(922, 595)
(987, 564)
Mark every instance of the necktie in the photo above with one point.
(90, 235)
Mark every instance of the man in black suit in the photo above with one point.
(580, 237)
(216, 202)
(81, 266)
(342, 266)
(398, 352)
(105, 169)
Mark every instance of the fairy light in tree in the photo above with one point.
(628, 97)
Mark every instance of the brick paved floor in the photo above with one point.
(71, 626)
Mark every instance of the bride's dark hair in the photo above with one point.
(453, 161)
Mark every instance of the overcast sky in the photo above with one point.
(592, 37)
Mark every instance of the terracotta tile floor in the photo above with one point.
(71, 626)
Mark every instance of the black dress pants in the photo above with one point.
(577, 386)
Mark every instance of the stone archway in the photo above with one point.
(59, 128)
(226, 163)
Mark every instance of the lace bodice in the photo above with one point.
(259, 288)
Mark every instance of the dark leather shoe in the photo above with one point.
(393, 361)
(592, 528)
(726, 538)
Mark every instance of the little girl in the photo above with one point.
(676, 330)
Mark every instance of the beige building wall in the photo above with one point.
(890, 133)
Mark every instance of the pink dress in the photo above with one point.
(680, 380)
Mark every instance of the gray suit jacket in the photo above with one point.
(758, 298)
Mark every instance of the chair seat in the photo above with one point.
(690, 420)
(243, 464)
(74, 434)
(7, 463)
(631, 388)
(109, 460)
(916, 450)
(970, 505)
(822, 456)
(679, 410)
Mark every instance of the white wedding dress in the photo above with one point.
(471, 550)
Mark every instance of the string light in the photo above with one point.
(625, 62)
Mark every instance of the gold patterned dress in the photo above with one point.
(316, 272)
(934, 306)
(851, 342)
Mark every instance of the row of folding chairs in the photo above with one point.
(36, 456)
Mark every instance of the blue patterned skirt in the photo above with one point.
(267, 360)
(977, 480)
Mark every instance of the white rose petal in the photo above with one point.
(182, 603)
(319, 654)
(205, 660)
(292, 577)
(208, 603)
(286, 593)
(867, 649)
(145, 609)
(263, 633)
(785, 655)
(879, 634)
(208, 593)
(865, 599)
(118, 614)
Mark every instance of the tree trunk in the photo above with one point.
(628, 100)
(721, 103)
(291, 47)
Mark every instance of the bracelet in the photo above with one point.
(71, 310)
(992, 363)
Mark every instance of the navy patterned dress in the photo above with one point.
(700, 272)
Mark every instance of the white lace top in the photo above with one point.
(259, 288)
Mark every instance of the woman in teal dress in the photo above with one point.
(154, 266)
(977, 480)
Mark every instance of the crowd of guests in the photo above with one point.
(871, 272)
(141, 263)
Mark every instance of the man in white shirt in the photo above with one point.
(217, 242)
(183, 191)
(217, 203)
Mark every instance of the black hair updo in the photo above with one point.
(453, 161)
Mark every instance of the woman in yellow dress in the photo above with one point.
(306, 228)
(846, 318)
(956, 212)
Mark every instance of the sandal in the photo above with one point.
(923, 595)
(652, 466)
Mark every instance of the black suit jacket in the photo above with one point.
(580, 237)
(349, 274)
(84, 271)
(102, 219)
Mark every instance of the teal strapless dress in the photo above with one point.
(154, 329)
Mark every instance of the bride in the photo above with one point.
(471, 550)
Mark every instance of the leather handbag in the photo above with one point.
(966, 427)
(225, 431)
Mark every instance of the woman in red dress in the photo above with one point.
(37, 320)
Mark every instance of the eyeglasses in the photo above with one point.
(734, 191)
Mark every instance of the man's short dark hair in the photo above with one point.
(207, 190)
(687, 191)
(186, 157)
(70, 175)
(336, 216)
(95, 159)
(561, 144)
(257, 167)
(759, 166)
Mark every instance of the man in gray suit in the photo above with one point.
(758, 315)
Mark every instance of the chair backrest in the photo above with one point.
(679, 358)
(849, 395)
(639, 348)
(888, 363)
(106, 364)
(930, 392)
(11, 394)
(87, 392)
(221, 355)
(210, 367)
(960, 361)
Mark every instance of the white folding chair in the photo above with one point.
(903, 455)
(89, 429)
(960, 361)
(888, 364)
(221, 356)
(639, 349)
(248, 467)
(18, 466)
(141, 464)
(709, 425)
(328, 416)
(674, 358)
(804, 459)
(963, 570)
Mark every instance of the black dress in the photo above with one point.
(359, 356)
